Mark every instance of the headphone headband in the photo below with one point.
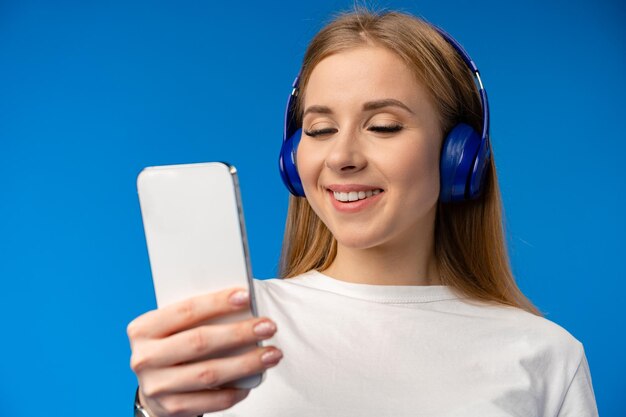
(472, 66)
(290, 122)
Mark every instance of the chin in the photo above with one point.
(356, 241)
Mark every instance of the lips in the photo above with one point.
(348, 193)
(353, 198)
(346, 188)
(355, 195)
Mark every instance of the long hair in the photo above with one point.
(469, 236)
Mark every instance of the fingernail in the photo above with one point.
(242, 393)
(239, 298)
(265, 328)
(271, 357)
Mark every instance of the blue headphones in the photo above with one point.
(465, 154)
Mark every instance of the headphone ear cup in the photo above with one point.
(478, 175)
(287, 164)
(457, 162)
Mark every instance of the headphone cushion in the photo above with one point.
(457, 162)
(287, 164)
(479, 171)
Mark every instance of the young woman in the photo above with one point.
(396, 295)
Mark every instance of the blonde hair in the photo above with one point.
(469, 237)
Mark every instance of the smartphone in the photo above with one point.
(196, 238)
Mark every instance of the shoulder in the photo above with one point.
(541, 346)
(530, 330)
(272, 284)
(281, 289)
(558, 358)
(543, 331)
(285, 284)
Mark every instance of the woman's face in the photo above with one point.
(370, 132)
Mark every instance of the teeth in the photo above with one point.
(354, 195)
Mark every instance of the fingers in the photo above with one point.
(170, 347)
(184, 314)
(203, 341)
(208, 374)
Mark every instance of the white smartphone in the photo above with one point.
(196, 237)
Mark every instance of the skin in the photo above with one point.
(390, 242)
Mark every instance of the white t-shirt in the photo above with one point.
(377, 350)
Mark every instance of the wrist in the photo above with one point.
(139, 410)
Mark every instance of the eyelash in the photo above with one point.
(378, 129)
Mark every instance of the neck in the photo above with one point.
(408, 261)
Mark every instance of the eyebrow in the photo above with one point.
(370, 105)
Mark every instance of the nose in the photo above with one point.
(346, 154)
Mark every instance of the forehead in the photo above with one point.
(362, 74)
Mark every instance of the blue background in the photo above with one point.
(90, 93)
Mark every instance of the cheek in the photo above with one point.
(309, 165)
(417, 170)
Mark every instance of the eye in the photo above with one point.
(385, 129)
(330, 130)
(320, 132)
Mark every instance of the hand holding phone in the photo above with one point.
(196, 346)
(166, 342)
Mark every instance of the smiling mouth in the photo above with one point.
(354, 195)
